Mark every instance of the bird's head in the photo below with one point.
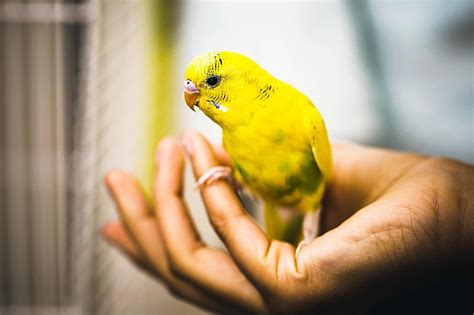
(223, 85)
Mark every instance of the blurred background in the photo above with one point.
(86, 86)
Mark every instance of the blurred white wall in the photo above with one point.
(392, 73)
(309, 44)
(427, 51)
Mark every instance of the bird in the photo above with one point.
(275, 137)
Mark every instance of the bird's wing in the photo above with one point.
(319, 141)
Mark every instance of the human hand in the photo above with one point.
(386, 215)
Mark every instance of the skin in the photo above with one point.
(389, 220)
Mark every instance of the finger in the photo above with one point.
(178, 231)
(188, 256)
(127, 194)
(116, 234)
(219, 152)
(244, 239)
(221, 156)
(131, 205)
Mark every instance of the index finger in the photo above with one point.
(245, 240)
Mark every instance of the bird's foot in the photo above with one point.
(310, 227)
(213, 174)
(301, 245)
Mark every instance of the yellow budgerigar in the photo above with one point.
(274, 135)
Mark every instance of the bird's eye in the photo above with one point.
(213, 81)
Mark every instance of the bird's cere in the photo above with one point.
(190, 87)
(191, 94)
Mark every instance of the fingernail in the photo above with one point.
(187, 145)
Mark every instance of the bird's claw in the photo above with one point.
(301, 245)
(309, 230)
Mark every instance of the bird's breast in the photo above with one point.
(275, 162)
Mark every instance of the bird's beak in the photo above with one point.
(191, 94)
(191, 98)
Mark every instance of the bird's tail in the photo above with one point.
(283, 228)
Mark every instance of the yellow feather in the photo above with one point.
(275, 137)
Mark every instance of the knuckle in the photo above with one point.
(449, 206)
(218, 224)
(220, 221)
(442, 161)
(183, 265)
(447, 170)
(442, 179)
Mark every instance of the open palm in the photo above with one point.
(386, 214)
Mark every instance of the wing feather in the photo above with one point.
(319, 141)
